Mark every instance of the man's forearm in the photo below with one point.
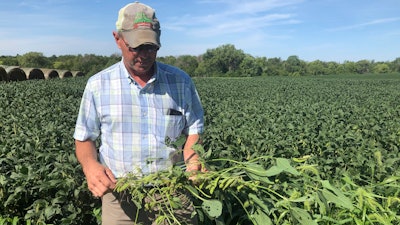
(86, 152)
(190, 157)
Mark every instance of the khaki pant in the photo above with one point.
(118, 209)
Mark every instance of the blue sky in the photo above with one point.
(327, 30)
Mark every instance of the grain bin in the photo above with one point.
(33, 73)
(15, 73)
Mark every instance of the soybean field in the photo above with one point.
(301, 150)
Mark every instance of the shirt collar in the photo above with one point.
(125, 73)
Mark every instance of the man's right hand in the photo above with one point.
(100, 179)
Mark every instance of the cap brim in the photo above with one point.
(138, 37)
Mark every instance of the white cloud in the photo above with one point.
(244, 24)
(370, 23)
(260, 6)
(234, 17)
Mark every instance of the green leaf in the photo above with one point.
(192, 190)
(389, 180)
(259, 217)
(180, 140)
(262, 179)
(302, 216)
(255, 168)
(161, 219)
(284, 164)
(175, 202)
(273, 170)
(336, 196)
(15, 220)
(259, 202)
(213, 208)
(256, 172)
(49, 211)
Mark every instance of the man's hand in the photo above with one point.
(193, 166)
(99, 178)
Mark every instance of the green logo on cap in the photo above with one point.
(141, 20)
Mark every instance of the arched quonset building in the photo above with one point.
(33, 73)
(77, 74)
(50, 73)
(3, 74)
(15, 73)
(64, 73)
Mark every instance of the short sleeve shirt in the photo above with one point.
(135, 122)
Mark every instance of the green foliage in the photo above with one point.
(9, 60)
(280, 150)
(343, 125)
(33, 59)
(248, 193)
(317, 68)
(343, 120)
(294, 66)
(250, 67)
(223, 61)
(187, 63)
(381, 68)
(41, 181)
(395, 65)
(341, 132)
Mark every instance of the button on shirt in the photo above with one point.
(134, 122)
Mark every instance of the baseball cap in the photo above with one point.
(139, 25)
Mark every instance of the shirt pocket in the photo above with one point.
(174, 125)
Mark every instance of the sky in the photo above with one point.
(326, 30)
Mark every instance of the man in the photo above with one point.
(135, 106)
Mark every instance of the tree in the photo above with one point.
(34, 59)
(9, 61)
(335, 68)
(274, 67)
(381, 68)
(395, 65)
(90, 63)
(363, 66)
(294, 66)
(187, 63)
(167, 60)
(317, 67)
(222, 61)
(350, 67)
(249, 67)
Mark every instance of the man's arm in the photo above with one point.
(99, 178)
(190, 157)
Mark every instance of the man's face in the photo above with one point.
(140, 59)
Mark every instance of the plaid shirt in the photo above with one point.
(135, 122)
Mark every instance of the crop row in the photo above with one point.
(341, 122)
(348, 129)
(40, 180)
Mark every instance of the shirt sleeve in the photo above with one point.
(87, 124)
(194, 111)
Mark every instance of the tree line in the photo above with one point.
(225, 61)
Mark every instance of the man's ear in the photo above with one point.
(117, 37)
